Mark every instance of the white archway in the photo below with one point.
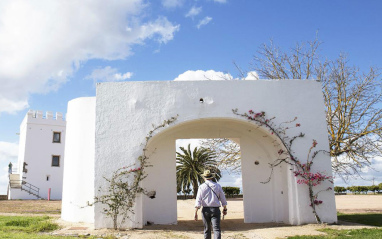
(263, 202)
(125, 112)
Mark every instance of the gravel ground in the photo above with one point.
(233, 226)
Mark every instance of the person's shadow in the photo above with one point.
(226, 225)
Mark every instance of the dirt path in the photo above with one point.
(359, 203)
(233, 226)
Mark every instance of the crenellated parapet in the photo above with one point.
(38, 114)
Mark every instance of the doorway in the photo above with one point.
(263, 202)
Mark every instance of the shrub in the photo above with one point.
(339, 189)
(230, 191)
(373, 188)
(44, 227)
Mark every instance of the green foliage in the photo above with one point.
(344, 234)
(191, 165)
(339, 189)
(26, 224)
(44, 227)
(19, 223)
(373, 188)
(23, 235)
(380, 186)
(230, 191)
(362, 189)
(372, 219)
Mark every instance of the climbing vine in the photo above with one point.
(125, 184)
(286, 155)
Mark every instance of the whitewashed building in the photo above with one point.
(39, 170)
(107, 132)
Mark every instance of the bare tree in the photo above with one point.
(353, 113)
(352, 99)
(227, 153)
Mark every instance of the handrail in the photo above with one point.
(30, 188)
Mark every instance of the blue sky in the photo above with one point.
(54, 51)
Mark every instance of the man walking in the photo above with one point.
(209, 195)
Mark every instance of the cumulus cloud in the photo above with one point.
(203, 22)
(12, 106)
(43, 43)
(252, 75)
(199, 75)
(194, 11)
(172, 3)
(8, 153)
(108, 74)
(202, 75)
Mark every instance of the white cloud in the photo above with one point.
(172, 3)
(252, 75)
(194, 11)
(108, 74)
(220, 1)
(8, 153)
(12, 106)
(368, 175)
(43, 43)
(162, 29)
(185, 142)
(199, 75)
(203, 75)
(204, 21)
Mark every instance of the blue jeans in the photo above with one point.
(211, 215)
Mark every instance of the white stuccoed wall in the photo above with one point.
(78, 188)
(126, 111)
(271, 198)
(36, 149)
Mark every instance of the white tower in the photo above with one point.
(41, 157)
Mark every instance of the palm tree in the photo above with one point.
(191, 165)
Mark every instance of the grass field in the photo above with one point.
(375, 233)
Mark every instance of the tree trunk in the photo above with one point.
(195, 188)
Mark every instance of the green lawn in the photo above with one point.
(372, 219)
(375, 233)
(20, 227)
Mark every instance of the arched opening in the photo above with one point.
(230, 176)
(263, 202)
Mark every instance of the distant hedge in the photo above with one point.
(359, 189)
(231, 191)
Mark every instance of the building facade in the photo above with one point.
(39, 171)
(107, 132)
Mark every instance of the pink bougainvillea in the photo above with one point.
(302, 170)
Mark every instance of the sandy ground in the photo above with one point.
(233, 225)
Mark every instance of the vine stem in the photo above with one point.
(302, 170)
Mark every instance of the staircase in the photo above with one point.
(24, 186)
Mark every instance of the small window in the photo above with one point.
(56, 137)
(47, 177)
(55, 161)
